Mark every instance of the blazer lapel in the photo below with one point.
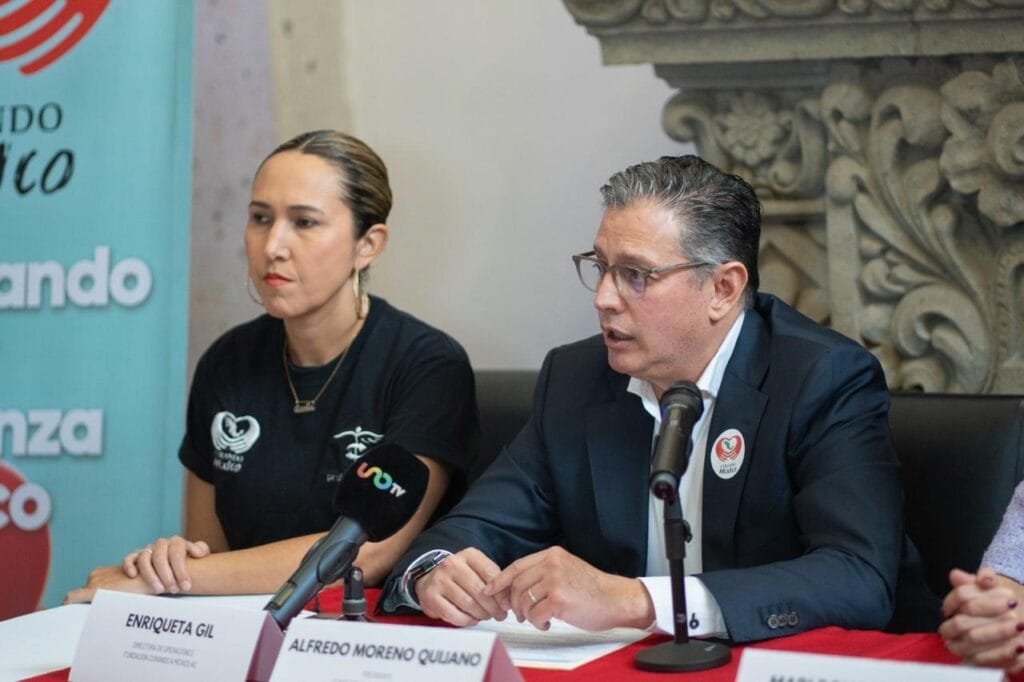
(739, 407)
(619, 436)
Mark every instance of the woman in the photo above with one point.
(281, 406)
(984, 612)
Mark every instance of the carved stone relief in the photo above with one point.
(659, 12)
(917, 169)
(926, 176)
(688, 32)
(893, 187)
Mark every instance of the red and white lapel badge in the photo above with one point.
(727, 453)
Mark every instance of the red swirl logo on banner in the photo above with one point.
(72, 17)
(24, 543)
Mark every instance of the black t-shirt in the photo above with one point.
(275, 472)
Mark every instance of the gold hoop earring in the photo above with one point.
(249, 290)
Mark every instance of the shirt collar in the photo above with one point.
(710, 380)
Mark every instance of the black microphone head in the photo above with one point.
(683, 394)
(382, 490)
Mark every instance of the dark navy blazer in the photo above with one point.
(808, 533)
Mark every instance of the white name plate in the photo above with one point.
(157, 639)
(317, 650)
(764, 665)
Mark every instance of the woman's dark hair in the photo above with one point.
(362, 176)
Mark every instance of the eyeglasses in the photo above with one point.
(630, 280)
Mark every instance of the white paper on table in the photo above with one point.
(40, 642)
(762, 665)
(563, 647)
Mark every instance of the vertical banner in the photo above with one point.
(95, 167)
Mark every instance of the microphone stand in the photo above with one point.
(353, 604)
(681, 654)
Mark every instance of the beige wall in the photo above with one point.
(234, 130)
(498, 124)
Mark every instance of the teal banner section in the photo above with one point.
(95, 187)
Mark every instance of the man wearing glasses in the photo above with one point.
(792, 490)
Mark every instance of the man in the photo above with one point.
(792, 490)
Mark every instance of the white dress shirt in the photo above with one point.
(703, 612)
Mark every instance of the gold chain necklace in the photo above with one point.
(304, 406)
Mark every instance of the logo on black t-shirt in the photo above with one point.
(232, 436)
(361, 440)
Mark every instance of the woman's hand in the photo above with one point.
(163, 565)
(985, 619)
(106, 578)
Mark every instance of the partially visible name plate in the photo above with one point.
(157, 639)
(316, 650)
(764, 665)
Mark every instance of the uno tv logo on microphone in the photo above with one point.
(381, 479)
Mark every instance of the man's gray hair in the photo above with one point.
(718, 214)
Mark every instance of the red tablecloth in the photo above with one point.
(923, 647)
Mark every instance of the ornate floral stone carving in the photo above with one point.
(927, 184)
(917, 169)
(985, 154)
(660, 12)
(732, 32)
(775, 140)
(886, 140)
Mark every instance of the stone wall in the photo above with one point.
(886, 140)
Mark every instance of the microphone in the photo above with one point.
(375, 497)
(681, 407)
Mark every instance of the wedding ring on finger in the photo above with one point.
(533, 597)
